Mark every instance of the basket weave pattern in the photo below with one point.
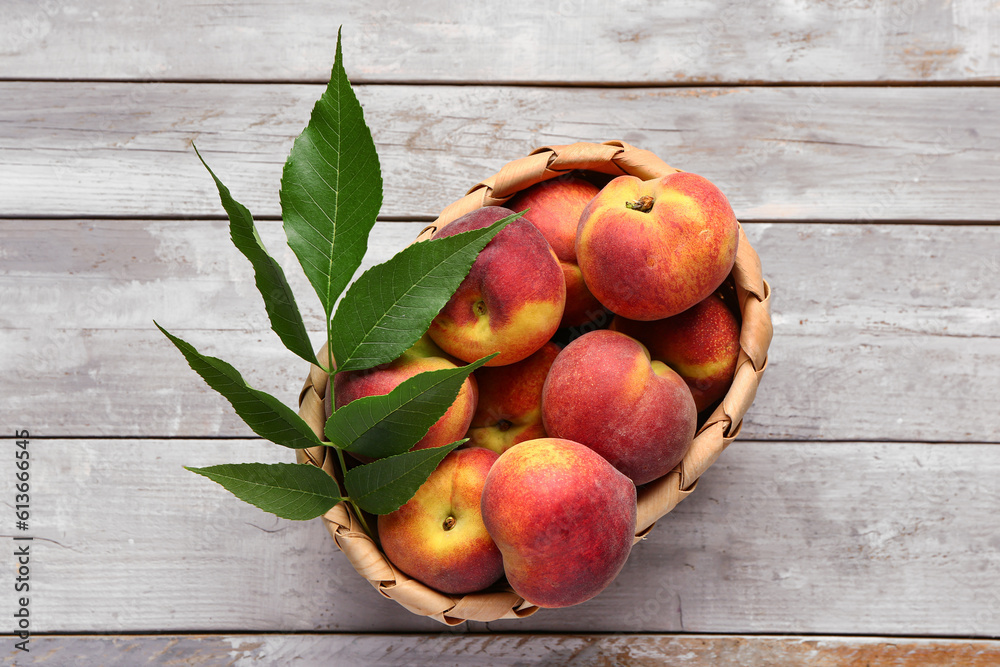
(656, 498)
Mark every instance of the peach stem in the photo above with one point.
(643, 204)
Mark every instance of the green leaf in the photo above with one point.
(331, 189)
(384, 485)
(286, 321)
(264, 414)
(290, 490)
(391, 305)
(380, 426)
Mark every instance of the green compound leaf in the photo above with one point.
(286, 320)
(292, 491)
(384, 485)
(391, 305)
(380, 426)
(264, 414)
(331, 189)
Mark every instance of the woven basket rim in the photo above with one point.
(656, 498)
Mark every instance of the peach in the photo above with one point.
(438, 537)
(702, 344)
(563, 518)
(511, 301)
(510, 401)
(554, 207)
(380, 380)
(651, 249)
(604, 391)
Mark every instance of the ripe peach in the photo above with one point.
(510, 401)
(554, 207)
(423, 356)
(702, 344)
(652, 249)
(563, 518)
(438, 536)
(604, 391)
(511, 301)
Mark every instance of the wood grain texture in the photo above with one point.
(811, 523)
(882, 332)
(350, 650)
(811, 153)
(843, 538)
(576, 41)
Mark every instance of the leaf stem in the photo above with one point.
(330, 370)
(357, 510)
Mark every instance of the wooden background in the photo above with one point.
(854, 521)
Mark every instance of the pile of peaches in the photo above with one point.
(606, 306)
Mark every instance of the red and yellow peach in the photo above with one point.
(511, 301)
(563, 518)
(651, 249)
(604, 391)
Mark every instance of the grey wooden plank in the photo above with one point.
(881, 331)
(809, 153)
(578, 41)
(457, 650)
(839, 538)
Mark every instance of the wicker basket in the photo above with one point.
(612, 158)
